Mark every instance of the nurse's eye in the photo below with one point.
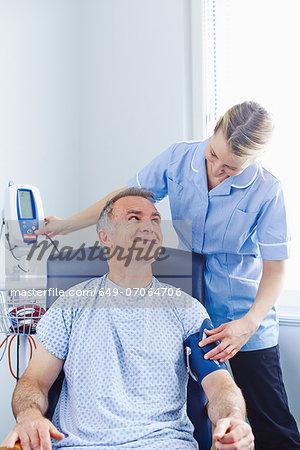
(213, 154)
(232, 169)
(156, 221)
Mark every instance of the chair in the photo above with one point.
(181, 269)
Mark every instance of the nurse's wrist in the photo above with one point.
(253, 321)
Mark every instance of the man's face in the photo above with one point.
(136, 222)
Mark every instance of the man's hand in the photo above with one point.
(232, 433)
(34, 432)
(227, 410)
(233, 336)
(30, 400)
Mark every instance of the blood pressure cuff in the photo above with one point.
(198, 367)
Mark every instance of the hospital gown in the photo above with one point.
(125, 373)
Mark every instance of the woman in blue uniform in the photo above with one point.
(238, 219)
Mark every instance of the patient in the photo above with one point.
(121, 344)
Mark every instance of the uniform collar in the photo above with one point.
(244, 179)
(241, 181)
(198, 156)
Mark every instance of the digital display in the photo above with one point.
(25, 203)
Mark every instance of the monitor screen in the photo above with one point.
(25, 202)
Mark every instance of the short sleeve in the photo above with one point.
(272, 229)
(154, 175)
(54, 329)
(192, 317)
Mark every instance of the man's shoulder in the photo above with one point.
(189, 311)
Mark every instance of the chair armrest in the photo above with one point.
(17, 446)
(213, 442)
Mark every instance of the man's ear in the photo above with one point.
(104, 238)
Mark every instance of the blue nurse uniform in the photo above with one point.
(235, 225)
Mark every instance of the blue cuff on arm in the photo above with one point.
(199, 367)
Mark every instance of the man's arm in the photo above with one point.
(226, 410)
(30, 402)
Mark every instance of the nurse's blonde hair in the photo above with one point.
(247, 127)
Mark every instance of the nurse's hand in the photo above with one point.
(233, 336)
(53, 226)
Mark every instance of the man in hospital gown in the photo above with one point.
(121, 345)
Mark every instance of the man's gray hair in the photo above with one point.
(104, 221)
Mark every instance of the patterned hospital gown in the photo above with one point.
(125, 373)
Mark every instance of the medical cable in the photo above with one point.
(10, 247)
(18, 356)
(2, 225)
(9, 358)
(33, 341)
(52, 242)
(32, 344)
(5, 341)
(22, 269)
(11, 251)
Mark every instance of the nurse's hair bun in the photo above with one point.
(247, 127)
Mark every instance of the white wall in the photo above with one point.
(39, 108)
(39, 116)
(289, 335)
(133, 88)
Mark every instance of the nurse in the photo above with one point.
(225, 205)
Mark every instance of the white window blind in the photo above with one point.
(203, 23)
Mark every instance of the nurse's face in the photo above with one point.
(221, 161)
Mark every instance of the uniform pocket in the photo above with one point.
(243, 293)
(240, 232)
(173, 184)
